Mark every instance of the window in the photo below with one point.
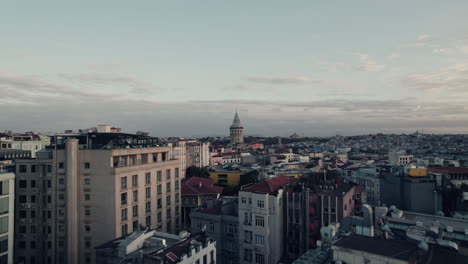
(159, 175)
(33, 198)
(60, 165)
(135, 225)
(159, 203)
(148, 221)
(87, 165)
(22, 184)
(177, 197)
(123, 183)
(148, 207)
(22, 214)
(248, 236)
(168, 200)
(211, 227)
(87, 181)
(159, 217)
(168, 174)
(4, 245)
(124, 214)
(88, 227)
(259, 240)
(61, 181)
(243, 200)
(148, 192)
(259, 221)
(148, 178)
(33, 168)
(135, 211)
(159, 189)
(248, 255)
(168, 213)
(260, 204)
(259, 259)
(135, 196)
(87, 196)
(87, 211)
(61, 197)
(22, 199)
(22, 168)
(176, 172)
(33, 183)
(168, 187)
(124, 230)
(87, 244)
(123, 198)
(177, 185)
(135, 180)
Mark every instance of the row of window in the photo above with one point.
(131, 160)
(259, 258)
(124, 196)
(259, 239)
(259, 220)
(260, 203)
(123, 180)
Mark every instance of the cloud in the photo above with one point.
(331, 66)
(450, 80)
(201, 118)
(442, 50)
(366, 64)
(423, 37)
(137, 85)
(280, 80)
(393, 56)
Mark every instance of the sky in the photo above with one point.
(182, 68)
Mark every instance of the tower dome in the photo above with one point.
(236, 131)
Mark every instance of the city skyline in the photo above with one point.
(182, 69)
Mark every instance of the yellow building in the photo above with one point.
(231, 178)
(417, 172)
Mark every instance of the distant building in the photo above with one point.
(195, 193)
(7, 216)
(153, 247)
(220, 220)
(261, 220)
(399, 157)
(236, 131)
(198, 153)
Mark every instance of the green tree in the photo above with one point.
(249, 177)
(194, 171)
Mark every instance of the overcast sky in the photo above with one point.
(180, 68)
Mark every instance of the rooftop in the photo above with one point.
(269, 185)
(397, 249)
(448, 170)
(199, 186)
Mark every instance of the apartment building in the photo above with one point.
(198, 153)
(219, 220)
(95, 187)
(7, 211)
(261, 221)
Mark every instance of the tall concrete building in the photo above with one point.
(7, 210)
(236, 131)
(261, 221)
(92, 188)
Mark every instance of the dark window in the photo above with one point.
(60, 165)
(22, 168)
(23, 184)
(33, 168)
(33, 183)
(22, 199)
(87, 165)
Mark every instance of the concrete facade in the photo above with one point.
(7, 216)
(98, 194)
(221, 223)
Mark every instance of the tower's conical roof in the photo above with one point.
(236, 122)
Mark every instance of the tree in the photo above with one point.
(249, 177)
(194, 171)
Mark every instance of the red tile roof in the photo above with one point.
(200, 186)
(269, 185)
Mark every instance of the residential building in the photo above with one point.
(7, 216)
(198, 153)
(399, 157)
(261, 220)
(101, 186)
(153, 247)
(220, 221)
(195, 193)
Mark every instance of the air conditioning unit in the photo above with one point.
(450, 229)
